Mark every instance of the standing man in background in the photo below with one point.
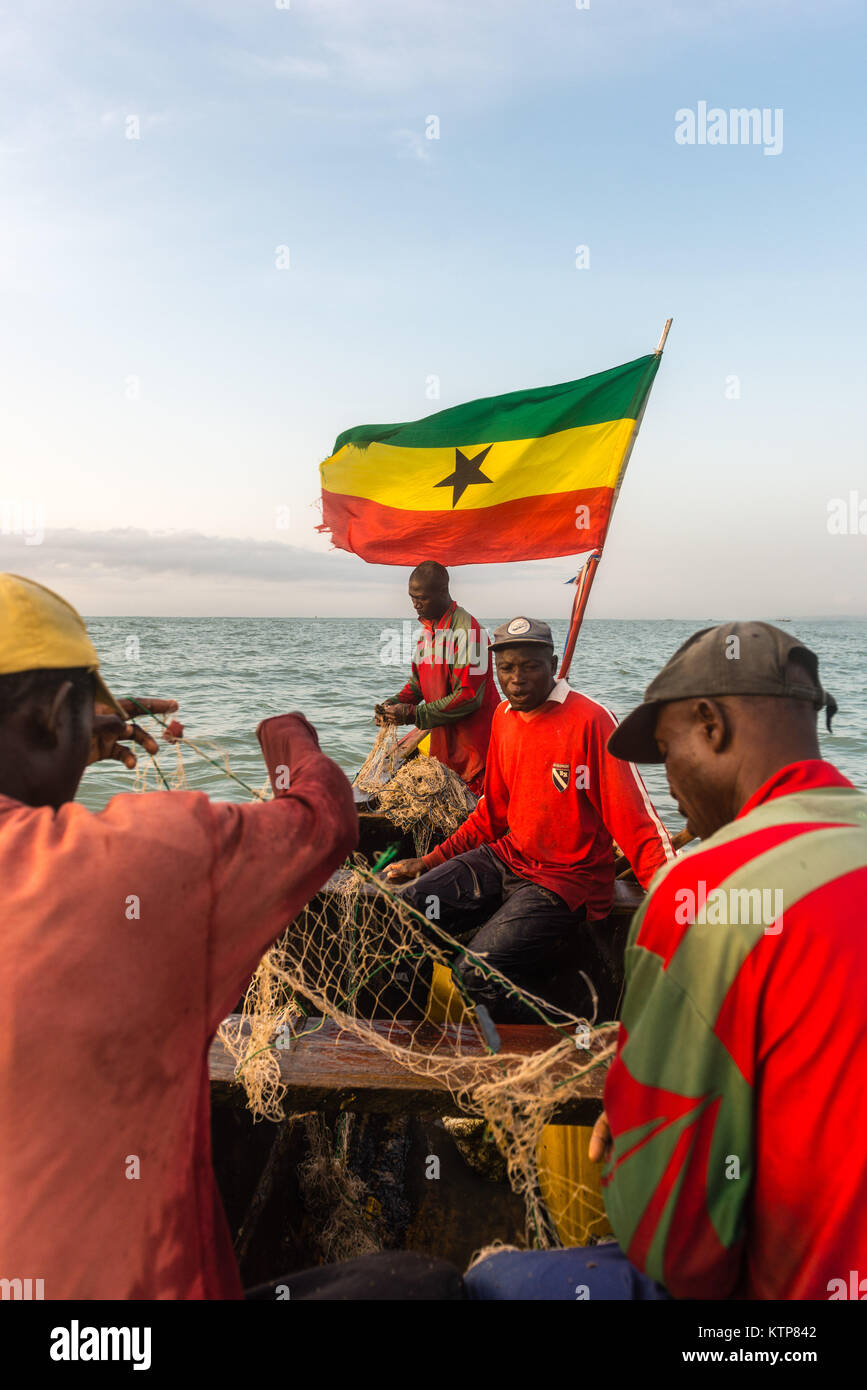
(451, 691)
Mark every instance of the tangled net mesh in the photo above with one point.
(422, 795)
(355, 965)
(355, 968)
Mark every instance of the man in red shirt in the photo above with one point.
(536, 855)
(744, 1029)
(128, 935)
(451, 690)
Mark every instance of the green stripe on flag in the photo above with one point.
(617, 394)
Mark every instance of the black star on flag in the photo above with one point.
(467, 474)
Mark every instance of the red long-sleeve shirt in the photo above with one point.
(554, 799)
(127, 937)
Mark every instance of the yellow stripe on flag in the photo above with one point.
(589, 456)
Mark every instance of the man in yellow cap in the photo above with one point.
(45, 652)
(127, 936)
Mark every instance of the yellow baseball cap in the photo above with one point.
(40, 631)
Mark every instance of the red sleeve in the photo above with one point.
(489, 821)
(271, 858)
(620, 796)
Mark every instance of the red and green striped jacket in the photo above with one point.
(737, 1098)
(453, 689)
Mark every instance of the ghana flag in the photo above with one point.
(524, 476)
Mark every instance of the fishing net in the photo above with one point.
(149, 775)
(360, 973)
(420, 795)
(357, 964)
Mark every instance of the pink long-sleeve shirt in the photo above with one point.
(127, 936)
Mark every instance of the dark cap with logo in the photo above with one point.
(522, 630)
(732, 659)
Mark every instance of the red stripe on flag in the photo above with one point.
(529, 528)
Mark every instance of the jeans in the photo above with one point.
(519, 927)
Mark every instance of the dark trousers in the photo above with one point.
(389, 1274)
(593, 1274)
(520, 928)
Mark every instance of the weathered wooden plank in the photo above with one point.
(327, 1068)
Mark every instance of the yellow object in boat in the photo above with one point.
(444, 1004)
(570, 1184)
(424, 746)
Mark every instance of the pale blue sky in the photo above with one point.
(149, 264)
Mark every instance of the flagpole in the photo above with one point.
(583, 593)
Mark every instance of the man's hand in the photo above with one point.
(108, 728)
(601, 1141)
(392, 712)
(404, 870)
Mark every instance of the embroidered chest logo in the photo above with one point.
(560, 776)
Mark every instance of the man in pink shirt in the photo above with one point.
(128, 935)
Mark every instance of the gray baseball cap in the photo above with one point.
(522, 630)
(732, 659)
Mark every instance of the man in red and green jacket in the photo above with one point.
(451, 690)
(744, 1031)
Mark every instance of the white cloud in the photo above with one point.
(490, 48)
(129, 551)
(284, 65)
(130, 570)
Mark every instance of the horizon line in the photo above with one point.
(379, 617)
